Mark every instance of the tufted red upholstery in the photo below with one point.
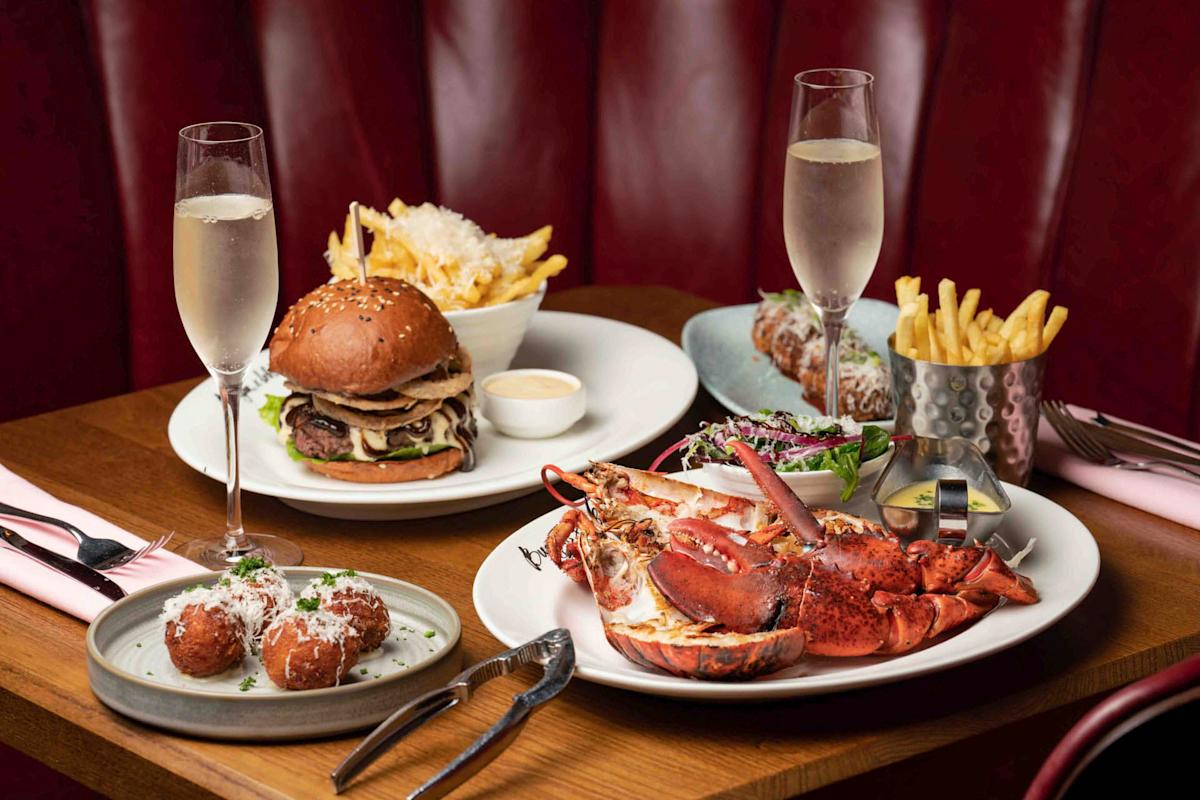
(1034, 143)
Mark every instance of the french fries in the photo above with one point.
(955, 333)
(446, 256)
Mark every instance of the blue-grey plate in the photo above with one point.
(743, 379)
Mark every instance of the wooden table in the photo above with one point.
(113, 457)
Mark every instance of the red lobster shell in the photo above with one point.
(715, 587)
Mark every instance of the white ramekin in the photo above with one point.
(534, 418)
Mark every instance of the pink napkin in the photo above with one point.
(1164, 495)
(53, 588)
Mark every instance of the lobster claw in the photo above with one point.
(742, 602)
(713, 574)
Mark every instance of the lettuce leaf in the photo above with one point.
(875, 441)
(270, 410)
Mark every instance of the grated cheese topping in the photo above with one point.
(452, 241)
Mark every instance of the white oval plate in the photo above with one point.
(519, 594)
(638, 385)
(743, 379)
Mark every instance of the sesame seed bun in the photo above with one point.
(361, 339)
(432, 466)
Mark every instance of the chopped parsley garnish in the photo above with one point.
(148, 672)
(308, 603)
(330, 579)
(194, 587)
(246, 683)
(225, 582)
(139, 644)
(249, 564)
(362, 671)
(378, 676)
(430, 634)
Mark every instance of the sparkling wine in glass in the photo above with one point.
(833, 198)
(226, 285)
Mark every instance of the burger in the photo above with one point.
(380, 389)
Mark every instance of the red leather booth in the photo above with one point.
(1027, 143)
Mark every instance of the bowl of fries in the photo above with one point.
(961, 372)
(486, 286)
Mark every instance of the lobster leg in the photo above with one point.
(910, 619)
(563, 552)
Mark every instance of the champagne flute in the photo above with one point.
(226, 283)
(833, 198)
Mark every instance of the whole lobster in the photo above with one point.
(711, 586)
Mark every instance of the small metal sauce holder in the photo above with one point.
(955, 465)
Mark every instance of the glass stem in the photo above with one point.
(832, 321)
(235, 536)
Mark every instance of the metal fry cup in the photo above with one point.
(995, 407)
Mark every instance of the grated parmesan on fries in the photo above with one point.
(446, 255)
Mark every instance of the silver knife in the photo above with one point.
(67, 566)
(1142, 435)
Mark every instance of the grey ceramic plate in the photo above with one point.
(131, 672)
(743, 379)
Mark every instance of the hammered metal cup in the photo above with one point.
(994, 407)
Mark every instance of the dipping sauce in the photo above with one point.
(530, 387)
(920, 495)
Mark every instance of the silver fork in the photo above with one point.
(1086, 445)
(554, 650)
(99, 554)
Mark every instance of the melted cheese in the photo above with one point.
(442, 424)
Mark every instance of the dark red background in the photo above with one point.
(1027, 143)
(1038, 143)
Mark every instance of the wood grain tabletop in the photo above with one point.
(113, 457)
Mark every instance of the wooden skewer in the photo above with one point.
(358, 241)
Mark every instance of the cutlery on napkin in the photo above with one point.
(56, 589)
(1166, 496)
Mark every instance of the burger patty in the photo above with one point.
(316, 435)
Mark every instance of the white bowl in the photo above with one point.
(492, 334)
(822, 488)
(534, 418)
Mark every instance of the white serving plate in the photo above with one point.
(130, 669)
(519, 594)
(744, 380)
(638, 384)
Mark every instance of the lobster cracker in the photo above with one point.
(554, 650)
